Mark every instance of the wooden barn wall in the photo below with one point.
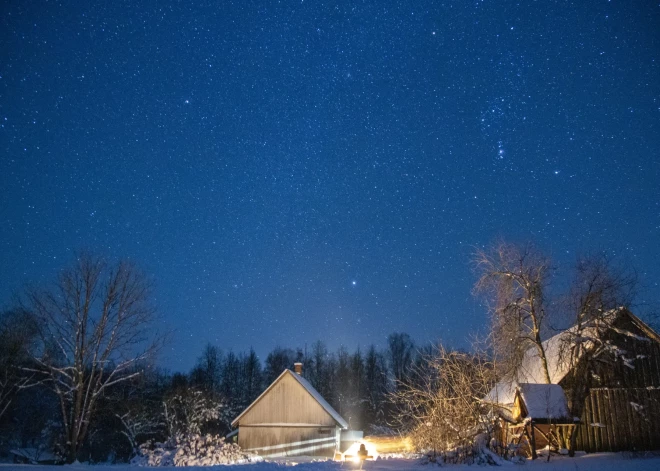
(287, 402)
(620, 419)
(643, 354)
(278, 441)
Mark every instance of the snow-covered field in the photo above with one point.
(592, 462)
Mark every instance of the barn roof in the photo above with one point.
(531, 371)
(544, 401)
(309, 388)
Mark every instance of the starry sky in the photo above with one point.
(288, 171)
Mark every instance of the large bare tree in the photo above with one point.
(513, 279)
(600, 288)
(94, 328)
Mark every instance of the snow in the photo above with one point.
(352, 452)
(637, 407)
(34, 455)
(531, 370)
(544, 401)
(503, 393)
(192, 450)
(582, 462)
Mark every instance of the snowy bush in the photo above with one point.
(192, 450)
(187, 412)
(442, 411)
(467, 454)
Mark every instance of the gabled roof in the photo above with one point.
(544, 401)
(531, 370)
(309, 388)
(541, 401)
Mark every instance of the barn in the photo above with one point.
(612, 388)
(290, 418)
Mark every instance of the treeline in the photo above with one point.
(154, 404)
(355, 383)
(75, 378)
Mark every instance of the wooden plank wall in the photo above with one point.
(617, 419)
(280, 441)
(287, 402)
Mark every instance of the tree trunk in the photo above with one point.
(532, 440)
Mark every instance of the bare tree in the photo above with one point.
(138, 423)
(138, 405)
(208, 370)
(189, 411)
(401, 350)
(376, 386)
(513, 279)
(17, 332)
(94, 328)
(599, 289)
(443, 410)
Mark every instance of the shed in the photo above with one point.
(290, 418)
(540, 402)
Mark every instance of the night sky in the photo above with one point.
(288, 171)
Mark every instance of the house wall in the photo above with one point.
(288, 421)
(642, 366)
(633, 361)
(279, 441)
(621, 410)
(287, 403)
(620, 419)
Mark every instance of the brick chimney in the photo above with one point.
(297, 367)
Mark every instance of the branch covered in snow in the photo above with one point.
(193, 450)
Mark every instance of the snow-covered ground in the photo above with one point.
(592, 462)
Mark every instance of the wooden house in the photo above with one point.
(609, 371)
(290, 418)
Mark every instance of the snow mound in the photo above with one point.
(193, 450)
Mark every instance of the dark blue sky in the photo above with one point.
(297, 170)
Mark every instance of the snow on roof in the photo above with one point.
(503, 393)
(309, 388)
(544, 401)
(531, 370)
